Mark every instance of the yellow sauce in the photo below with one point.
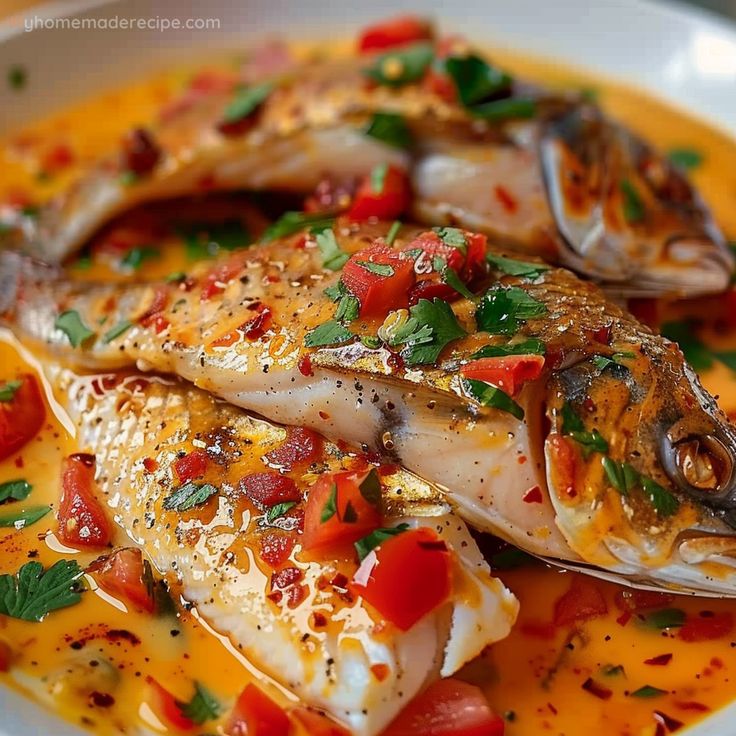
(536, 681)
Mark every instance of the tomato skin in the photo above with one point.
(167, 707)
(317, 724)
(583, 600)
(388, 204)
(430, 289)
(321, 537)
(563, 459)
(300, 447)
(123, 575)
(269, 488)
(448, 707)
(22, 417)
(192, 465)
(378, 294)
(82, 520)
(432, 245)
(394, 32)
(508, 372)
(405, 578)
(707, 628)
(255, 714)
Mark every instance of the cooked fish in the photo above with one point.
(297, 620)
(550, 416)
(542, 173)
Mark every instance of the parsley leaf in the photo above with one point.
(513, 267)
(632, 204)
(188, 496)
(135, 257)
(624, 478)
(119, 329)
(439, 317)
(379, 269)
(666, 618)
(454, 237)
(573, 425)
(389, 128)
(245, 102)
(32, 593)
(8, 390)
(330, 508)
(603, 361)
(348, 308)
(648, 691)
(279, 510)
(370, 488)
(665, 504)
(15, 490)
(328, 333)
(207, 239)
(378, 178)
(621, 476)
(70, 323)
(333, 257)
(24, 518)
(531, 346)
(476, 80)
(487, 395)
(202, 707)
(292, 222)
(397, 68)
(453, 280)
(368, 543)
(685, 158)
(502, 310)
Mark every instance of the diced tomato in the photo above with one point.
(707, 628)
(406, 577)
(223, 274)
(57, 158)
(22, 417)
(269, 488)
(633, 600)
(430, 289)
(448, 707)
(509, 373)
(563, 462)
(255, 714)
(354, 516)
(82, 520)
(440, 84)
(167, 707)
(433, 246)
(274, 547)
(124, 575)
(583, 600)
(386, 203)
(394, 32)
(316, 723)
(191, 466)
(377, 293)
(301, 446)
(6, 656)
(476, 255)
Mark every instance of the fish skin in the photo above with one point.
(210, 553)
(422, 416)
(311, 127)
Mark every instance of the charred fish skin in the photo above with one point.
(295, 622)
(543, 173)
(597, 452)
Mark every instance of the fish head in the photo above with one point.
(641, 469)
(625, 214)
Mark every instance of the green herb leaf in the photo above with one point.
(389, 128)
(378, 178)
(509, 559)
(15, 490)
(206, 239)
(119, 329)
(245, 102)
(129, 178)
(328, 333)
(24, 518)
(405, 66)
(476, 80)
(648, 691)
(454, 237)
(624, 478)
(531, 346)
(188, 496)
(370, 341)
(32, 593)
(665, 504)
(685, 158)
(348, 308)
(633, 206)
(202, 707)
(333, 257)
(393, 231)
(666, 618)
(292, 222)
(8, 390)
(379, 269)
(621, 476)
(602, 361)
(367, 544)
(175, 277)
(351, 515)
(512, 267)
(335, 292)
(573, 426)
(70, 323)
(330, 508)
(439, 317)
(612, 670)
(498, 111)
(135, 257)
(370, 488)
(487, 395)
(279, 510)
(453, 280)
(17, 78)
(503, 310)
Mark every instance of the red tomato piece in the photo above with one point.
(22, 417)
(167, 707)
(191, 466)
(274, 547)
(432, 245)
(394, 32)
(707, 628)
(430, 289)
(563, 461)
(269, 488)
(476, 255)
(583, 600)
(387, 202)
(222, 274)
(379, 290)
(405, 578)
(57, 158)
(509, 372)
(316, 723)
(354, 516)
(440, 84)
(82, 520)
(255, 714)
(633, 600)
(301, 446)
(124, 575)
(448, 707)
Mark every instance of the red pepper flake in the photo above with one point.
(301, 445)
(380, 671)
(57, 158)
(319, 620)
(533, 495)
(552, 709)
(257, 327)
(275, 596)
(692, 705)
(595, 688)
(152, 316)
(286, 577)
(659, 660)
(671, 724)
(600, 335)
(339, 581)
(274, 547)
(191, 466)
(140, 152)
(295, 595)
(150, 465)
(305, 366)
(506, 199)
(101, 700)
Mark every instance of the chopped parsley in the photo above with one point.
(377, 537)
(487, 395)
(9, 389)
(24, 518)
(188, 496)
(378, 178)
(333, 257)
(513, 267)
(205, 239)
(530, 346)
(476, 80)
(666, 618)
(453, 236)
(33, 592)
(573, 426)
(379, 269)
(498, 111)
(348, 308)
(245, 102)
(202, 707)
(176, 277)
(330, 508)
(602, 361)
(633, 206)
(452, 279)
(15, 490)
(135, 257)
(685, 158)
(70, 323)
(648, 691)
(389, 128)
(17, 77)
(397, 68)
(292, 222)
(328, 333)
(624, 478)
(119, 329)
(700, 357)
(279, 510)
(503, 310)
(430, 328)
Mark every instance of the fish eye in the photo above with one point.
(702, 462)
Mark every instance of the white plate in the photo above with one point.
(686, 56)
